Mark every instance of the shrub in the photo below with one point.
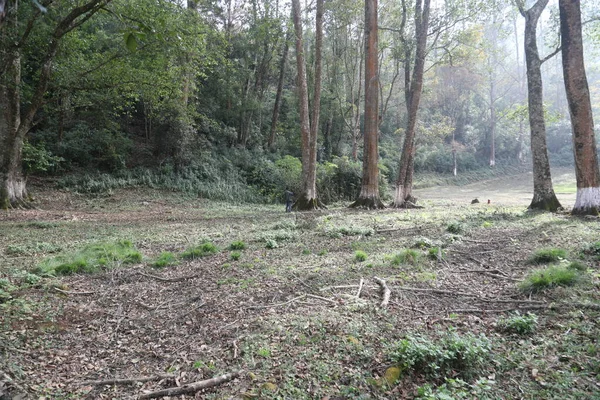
(165, 259)
(235, 255)
(449, 355)
(545, 256)
(237, 245)
(455, 227)
(271, 244)
(549, 277)
(406, 256)
(360, 256)
(91, 258)
(203, 250)
(519, 324)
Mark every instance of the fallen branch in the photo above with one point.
(313, 296)
(437, 291)
(67, 292)
(279, 304)
(386, 291)
(127, 381)
(360, 286)
(337, 287)
(191, 387)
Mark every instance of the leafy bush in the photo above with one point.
(406, 256)
(556, 275)
(91, 258)
(202, 250)
(455, 227)
(360, 256)
(271, 244)
(237, 245)
(449, 355)
(545, 256)
(519, 324)
(36, 159)
(165, 259)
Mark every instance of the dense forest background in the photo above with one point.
(201, 96)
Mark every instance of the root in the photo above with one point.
(304, 204)
(549, 203)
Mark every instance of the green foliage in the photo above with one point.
(454, 389)
(237, 245)
(31, 249)
(448, 355)
(91, 258)
(36, 159)
(423, 243)
(555, 275)
(271, 244)
(202, 250)
(578, 266)
(406, 256)
(435, 252)
(235, 255)
(165, 259)
(455, 227)
(360, 256)
(545, 256)
(592, 249)
(519, 324)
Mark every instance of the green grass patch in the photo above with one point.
(360, 256)
(545, 256)
(406, 256)
(447, 355)
(555, 275)
(519, 324)
(455, 227)
(202, 250)
(566, 188)
(237, 245)
(165, 259)
(91, 258)
(235, 255)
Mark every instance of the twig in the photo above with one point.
(191, 387)
(338, 287)
(489, 273)
(126, 381)
(235, 349)
(360, 286)
(436, 291)
(386, 291)
(158, 278)
(320, 298)
(67, 292)
(278, 304)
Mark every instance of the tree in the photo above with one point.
(413, 86)
(14, 124)
(369, 192)
(580, 109)
(308, 197)
(544, 197)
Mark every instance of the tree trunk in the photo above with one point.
(413, 86)
(277, 106)
(544, 197)
(308, 197)
(369, 192)
(578, 97)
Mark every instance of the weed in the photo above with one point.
(360, 256)
(235, 255)
(406, 256)
(264, 352)
(592, 249)
(549, 277)
(455, 227)
(322, 252)
(449, 355)
(30, 249)
(348, 231)
(436, 253)
(91, 258)
(271, 244)
(306, 252)
(423, 243)
(545, 256)
(577, 265)
(519, 324)
(203, 250)
(237, 245)
(456, 389)
(165, 259)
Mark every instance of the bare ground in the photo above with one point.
(288, 316)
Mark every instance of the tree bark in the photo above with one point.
(544, 197)
(277, 106)
(308, 197)
(413, 86)
(578, 98)
(369, 192)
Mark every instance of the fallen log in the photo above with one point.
(191, 387)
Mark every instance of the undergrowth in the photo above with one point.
(202, 250)
(554, 275)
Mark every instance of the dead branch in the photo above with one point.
(191, 387)
(278, 304)
(360, 286)
(386, 291)
(67, 292)
(313, 296)
(337, 287)
(437, 291)
(127, 381)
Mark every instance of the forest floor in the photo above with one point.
(284, 310)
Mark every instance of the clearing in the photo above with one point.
(277, 298)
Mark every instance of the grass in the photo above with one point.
(165, 259)
(544, 278)
(545, 256)
(237, 245)
(518, 324)
(360, 256)
(199, 251)
(406, 256)
(91, 258)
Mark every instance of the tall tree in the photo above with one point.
(369, 192)
(278, 96)
(580, 109)
(413, 87)
(544, 197)
(308, 197)
(14, 124)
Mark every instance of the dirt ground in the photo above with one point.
(284, 312)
